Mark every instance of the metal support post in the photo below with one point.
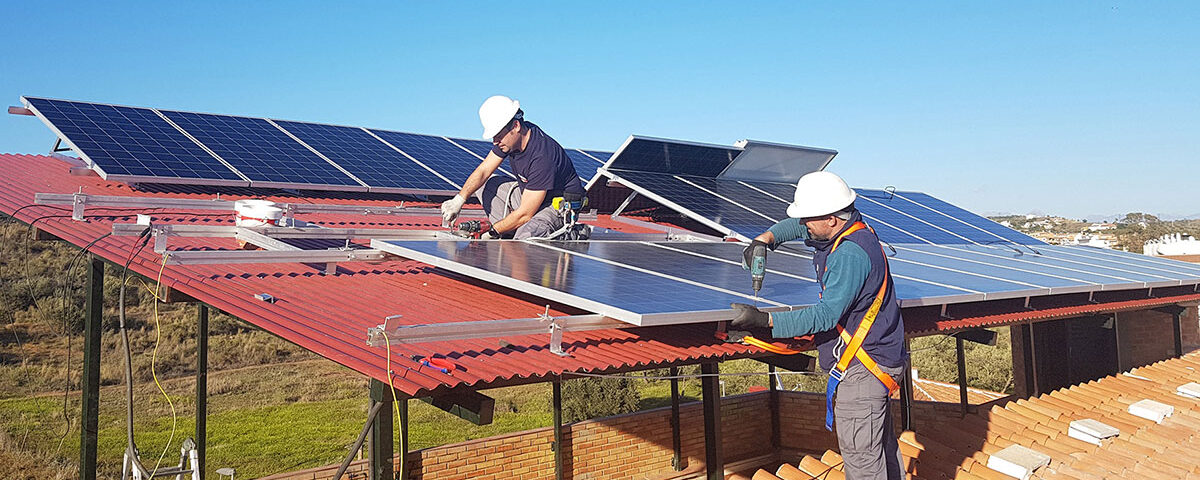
(714, 461)
(906, 390)
(90, 383)
(558, 451)
(773, 404)
(381, 446)
(1177, 330)
(962, 374)
(201, 387)
(403, 474)
(676, 437)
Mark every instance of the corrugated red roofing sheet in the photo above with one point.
(329, 314)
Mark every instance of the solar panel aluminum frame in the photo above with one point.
(723, 230)
(245, 182)
(748, 146)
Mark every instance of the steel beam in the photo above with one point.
(714, 460)
(403, 474)
(90, 383)
(676, 437)
(558, 437)
(381, 445)
(906, 390)
(210, 257)
(962, 374)
(201, 386)
(773, 404)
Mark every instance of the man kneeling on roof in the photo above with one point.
(546, 192)
(857, 322)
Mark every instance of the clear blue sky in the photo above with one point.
(1072, 108)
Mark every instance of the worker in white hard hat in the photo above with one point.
(532, 204)
(857, 323)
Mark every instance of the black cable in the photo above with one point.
(130, 446)
(67, 369)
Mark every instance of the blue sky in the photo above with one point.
(1071, 108)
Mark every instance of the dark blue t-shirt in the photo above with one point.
(543, 165)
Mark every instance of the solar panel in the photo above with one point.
(436, 153)
(262, 152)
(131, 144)
(381, 167)
(670, 156)
(648, 283)
(601, 157)
(676, 192)
(585, 166)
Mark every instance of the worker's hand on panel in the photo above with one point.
(748, 253)
(749, 316)
(450, 209)
(491, 234)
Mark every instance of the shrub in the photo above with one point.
(586, 398)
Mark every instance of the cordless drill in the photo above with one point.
(758, 266)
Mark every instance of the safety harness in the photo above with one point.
(854, 343)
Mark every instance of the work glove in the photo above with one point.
(748, 253)
(450, 209)
(748, 316)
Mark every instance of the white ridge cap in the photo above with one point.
(1151, 410)
(1018, 461)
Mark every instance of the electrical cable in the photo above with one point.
(154, 374)
(130, 445)
(388, 347)
(67, 368)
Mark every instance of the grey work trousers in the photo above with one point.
(863, 417)
(501, 195)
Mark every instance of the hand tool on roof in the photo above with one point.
(754, 259)
(473, 228)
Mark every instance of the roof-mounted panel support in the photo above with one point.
(439, 332)
(15, 110)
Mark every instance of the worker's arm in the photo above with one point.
(845, 273)
(785, 231)
(531, 200)
(485, 170)
(451, 207)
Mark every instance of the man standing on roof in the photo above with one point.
(531, 205)
(860, 334)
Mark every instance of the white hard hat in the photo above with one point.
(820, 193)
(495, 113)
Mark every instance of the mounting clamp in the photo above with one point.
(376, 335)
(556, 333)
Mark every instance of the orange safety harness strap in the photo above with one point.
(854, 343)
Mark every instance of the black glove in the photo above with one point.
(748, 253)
(747, 316)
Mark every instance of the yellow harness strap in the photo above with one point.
(854, 343)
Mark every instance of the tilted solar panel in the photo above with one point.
(585, 165)
(381, 167)
(262, 152)
(436, 153)
(669, 156)
(648, 283)
(599, 156)
(132, 144)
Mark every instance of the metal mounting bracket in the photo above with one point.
(556, 333)
(376, 335)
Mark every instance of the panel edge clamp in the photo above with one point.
(556, 332)
(378, 335)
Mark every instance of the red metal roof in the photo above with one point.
(329, 315)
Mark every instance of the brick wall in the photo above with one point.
(802, 420)
(1144, 337)
(637, 445)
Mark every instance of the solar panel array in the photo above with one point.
(162, 146)
(684, 177)
(652, 283)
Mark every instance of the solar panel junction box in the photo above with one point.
(1018, 461)
(1190, 390)
(1151, 410)
(1091, 431)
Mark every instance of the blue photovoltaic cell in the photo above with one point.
(784, 193)
(259, 150)
(1123, 260)
(598, 155)
(995, 229)
(364, 156)
(875, 204)
(129, 141)
(699, 202)
(478, 147)
(1090, 270)
(579, 277)
(435, 152)
(651, 155)
(585, 166)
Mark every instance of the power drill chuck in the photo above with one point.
(758, 267)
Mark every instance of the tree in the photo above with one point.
(586, 398)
